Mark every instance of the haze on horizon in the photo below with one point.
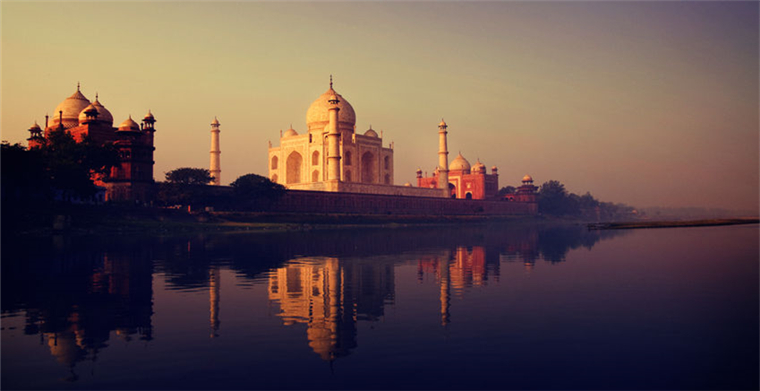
(646, 103)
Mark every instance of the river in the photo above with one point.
(480, 306)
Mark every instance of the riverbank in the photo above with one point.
(672, 224)
(124, 220)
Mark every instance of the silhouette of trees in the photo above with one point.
(506, 190)
(189, 176)
(60, 165)
(555, 200)
(253, 191)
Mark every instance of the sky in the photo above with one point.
(645, 103)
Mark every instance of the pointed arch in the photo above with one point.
(315, 158)
(368, 168)
(293, 168)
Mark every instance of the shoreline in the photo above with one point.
(673, 223)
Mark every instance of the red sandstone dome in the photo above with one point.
(129, 125)
(70, 107)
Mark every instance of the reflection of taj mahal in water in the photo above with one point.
(108, 296)
(330, 295)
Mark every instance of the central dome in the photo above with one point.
(318, 115)
(71, 107)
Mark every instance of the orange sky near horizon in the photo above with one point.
(646, 103)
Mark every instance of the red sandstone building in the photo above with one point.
(465, 181)
(132, 179)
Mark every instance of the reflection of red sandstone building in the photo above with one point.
(132, 178)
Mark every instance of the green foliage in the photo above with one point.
(256, 192)
(554, 200)
(257, 186)
(60, 165)
(506, 190)
(189, 176)
(23, 174)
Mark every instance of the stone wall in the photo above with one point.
(353, 203)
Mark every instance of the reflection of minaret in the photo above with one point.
(214, 285)
(445, 290)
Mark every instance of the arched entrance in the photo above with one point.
(452, 190)
(368, 167)
(293, 173)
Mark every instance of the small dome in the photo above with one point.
(290, 133)
(442, 124)
(479, 167)
(459, 163)
(35, 126)
(527, 178)
(83, 113)
(407, 184)
(71, 107)
(370, 132)
(215, 122)
(493, 168)
(129, 125)
(103, 114)
(318, 115)
(150, 117)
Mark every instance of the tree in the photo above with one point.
(252, 185)
(60, 164)
(506, 190)
(552, 198)
(189, 176)
(255, 191)
(23, 175)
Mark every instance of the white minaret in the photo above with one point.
(443, 157)
(333, 140)
(216, 165)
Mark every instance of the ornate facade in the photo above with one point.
(132, 179)
(331, 156)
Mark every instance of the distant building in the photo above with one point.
(132, 179)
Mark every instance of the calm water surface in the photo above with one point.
(472, 307)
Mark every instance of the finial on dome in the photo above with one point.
(96, 96)
(77, 86)
(331, 82)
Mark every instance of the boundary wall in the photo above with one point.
(354, 203)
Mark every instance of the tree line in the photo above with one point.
(555, 200)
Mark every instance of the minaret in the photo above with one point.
(216, 165)
(443, 157)
(333, 140)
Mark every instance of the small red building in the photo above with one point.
(132, 179)
(472, 183)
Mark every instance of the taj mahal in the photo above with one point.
(331, 156)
